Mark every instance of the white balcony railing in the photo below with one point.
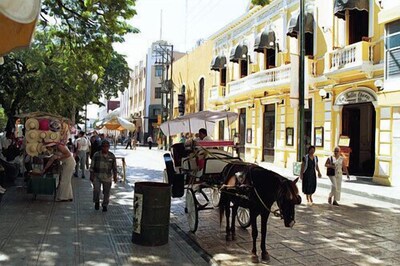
(354, 55)
(264, 79)
(214, 92)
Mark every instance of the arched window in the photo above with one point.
(201, 94)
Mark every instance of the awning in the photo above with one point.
(17, 23)
(340, 6)
(265, 40)
(218, 63)
(238, 53)
(294, 24)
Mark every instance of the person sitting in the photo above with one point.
(203, 134)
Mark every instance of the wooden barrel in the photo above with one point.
(151, 205)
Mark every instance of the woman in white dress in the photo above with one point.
(336, 162)
(61, 153)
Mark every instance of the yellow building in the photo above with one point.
(191, 76)
(350, 98)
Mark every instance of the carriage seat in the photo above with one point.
(174, 179)
(178, 152)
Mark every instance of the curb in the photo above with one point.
(364, 194)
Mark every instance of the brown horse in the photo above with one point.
(253, 187)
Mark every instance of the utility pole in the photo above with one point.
(300, 150)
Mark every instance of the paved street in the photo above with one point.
(362, 231)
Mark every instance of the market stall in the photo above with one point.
(42, 129)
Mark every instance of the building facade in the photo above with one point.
(350, 83)
(191, 77)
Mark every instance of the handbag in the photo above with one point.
(330, 171)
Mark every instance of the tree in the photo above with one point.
(74, 38)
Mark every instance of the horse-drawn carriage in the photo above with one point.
(205, 170)
(196, 166)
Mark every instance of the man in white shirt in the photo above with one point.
(203, 134)
(81, 151)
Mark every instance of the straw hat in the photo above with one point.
(54, 125)
(32, 123)
(44, 124)
(41, 148)
(52, 136)
(31, 149)
(43, 134)
(32, 136)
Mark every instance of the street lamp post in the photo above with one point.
(300, 150)
(94, 79)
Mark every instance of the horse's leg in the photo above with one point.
(228, 236)
(234, 214)
(264, 220)
(254, 233)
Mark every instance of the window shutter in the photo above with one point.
(393, 62)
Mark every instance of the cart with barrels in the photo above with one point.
(194, 168)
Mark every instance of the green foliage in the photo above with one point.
(73, 41)
(3, 119)
(260, 2)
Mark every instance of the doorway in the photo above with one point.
(269, 133)
(242, 132)
(358, 123)
(307, 125)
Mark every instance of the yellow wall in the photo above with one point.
(188, 71)
(330, 42)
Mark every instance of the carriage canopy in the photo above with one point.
(193, 122)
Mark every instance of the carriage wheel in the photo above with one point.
(243, 217)
(192, 212)
(215, 196)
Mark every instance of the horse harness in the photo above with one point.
(244, 186)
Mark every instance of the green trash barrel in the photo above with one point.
(151, 206)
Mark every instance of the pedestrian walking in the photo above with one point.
(150, 142)
(308, 175)
(103, 170)
(128, 142)
(82, 146)
(335, 167)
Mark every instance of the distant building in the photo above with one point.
(154, 77)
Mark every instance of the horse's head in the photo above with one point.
(288, 197)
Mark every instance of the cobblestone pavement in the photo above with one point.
(361, 231)
(44, 232)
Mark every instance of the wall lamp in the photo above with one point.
(325, 29)
(282, 102)
(379, 84)
(324, 94)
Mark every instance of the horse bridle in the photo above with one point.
(277, 212)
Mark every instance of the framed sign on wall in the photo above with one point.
(289, 136)
(319, 137)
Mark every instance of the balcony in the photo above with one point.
(349, 60)
(269, 78)
(216, 93)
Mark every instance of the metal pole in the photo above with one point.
(171, 93)
(166, 88)
(300, 150)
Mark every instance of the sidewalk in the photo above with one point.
(355, 186)
(44, 232)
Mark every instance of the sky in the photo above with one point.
(204, 17)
